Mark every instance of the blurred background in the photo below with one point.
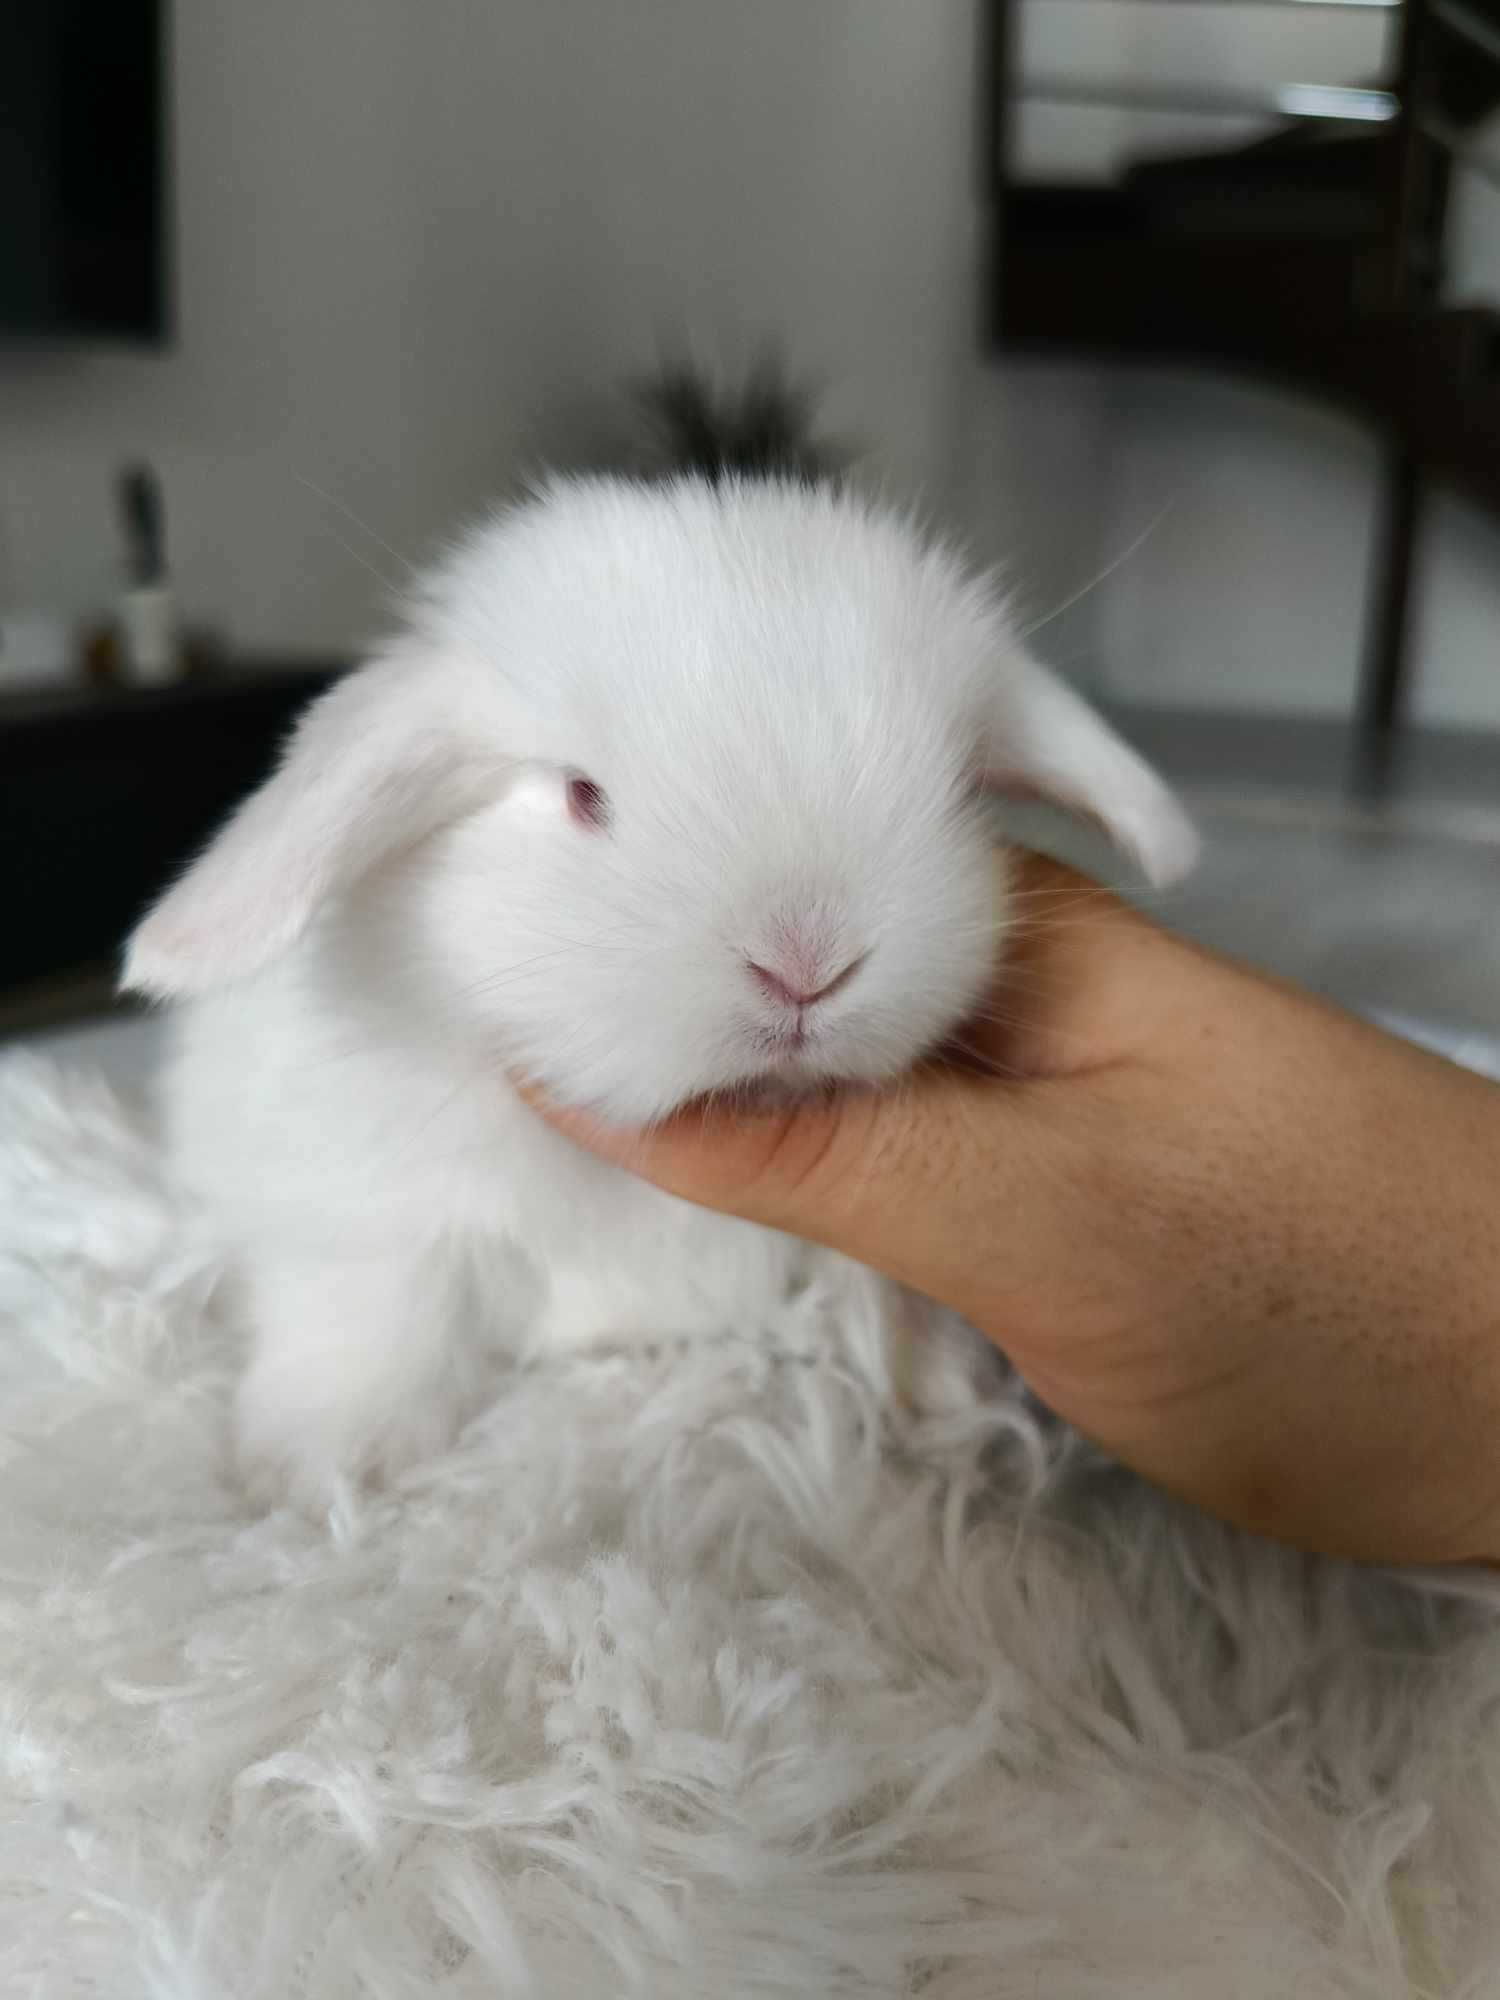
(1184, 311)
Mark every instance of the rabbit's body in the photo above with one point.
(664, 791)
(399, 1221)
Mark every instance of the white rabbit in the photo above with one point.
(665, 788)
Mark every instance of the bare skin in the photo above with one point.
(1247, 1243)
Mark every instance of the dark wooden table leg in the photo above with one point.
(1385, 689)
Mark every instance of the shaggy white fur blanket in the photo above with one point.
(681, 1675)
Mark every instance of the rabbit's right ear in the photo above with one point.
(1044, 741)
(386, 757)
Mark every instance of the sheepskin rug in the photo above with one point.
(686, 1675)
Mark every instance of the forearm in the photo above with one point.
(1300, 1226)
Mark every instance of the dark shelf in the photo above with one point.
(105, 795)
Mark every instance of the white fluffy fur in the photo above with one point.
(793, 705)
(680, 1674)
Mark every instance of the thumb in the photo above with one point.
(786, 1165)
(913, 1181)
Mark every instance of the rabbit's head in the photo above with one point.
(667, 790)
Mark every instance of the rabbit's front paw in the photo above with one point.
(295, 1443)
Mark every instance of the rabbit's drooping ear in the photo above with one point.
(1044, 741)
(384, 758)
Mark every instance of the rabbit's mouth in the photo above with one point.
(790, 1061)
(786, 1042)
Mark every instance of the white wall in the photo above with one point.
(416, 236)
(420, 240)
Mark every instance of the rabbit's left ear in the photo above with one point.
(387, 756)
(1044, 741)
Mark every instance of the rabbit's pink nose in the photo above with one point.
(799, 985)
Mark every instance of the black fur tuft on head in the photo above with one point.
(764, 429)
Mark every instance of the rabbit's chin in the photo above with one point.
(777, 1092)
(782, 1086)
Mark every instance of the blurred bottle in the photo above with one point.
(150, 643)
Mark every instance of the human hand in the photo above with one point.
(1245, 1242)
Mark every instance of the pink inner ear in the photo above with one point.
(1014, 785)
(1028, 790)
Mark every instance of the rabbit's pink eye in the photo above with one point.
(586, 802)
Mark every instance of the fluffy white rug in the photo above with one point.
(679, 1676)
